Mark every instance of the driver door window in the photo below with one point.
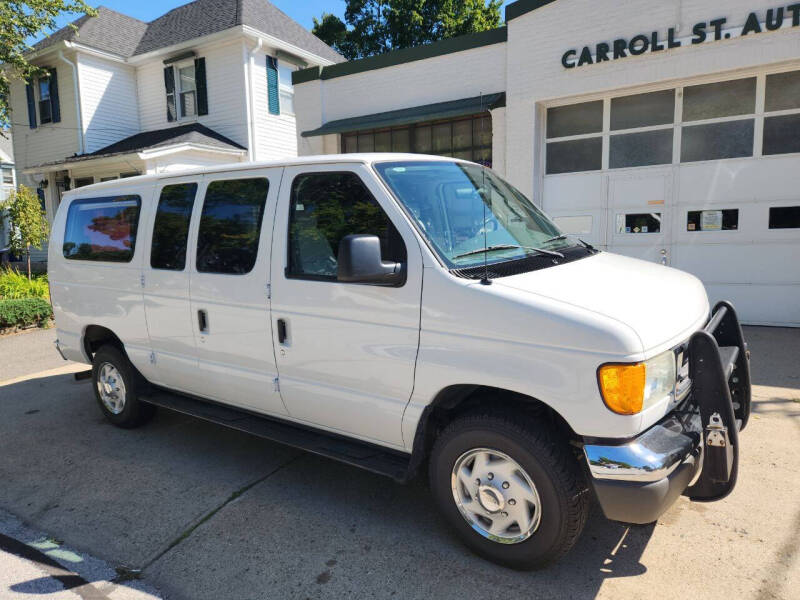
(323, 209)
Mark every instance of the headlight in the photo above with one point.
(627, 389)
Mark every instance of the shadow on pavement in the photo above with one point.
(168, 498)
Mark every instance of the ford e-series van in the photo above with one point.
(407, 314)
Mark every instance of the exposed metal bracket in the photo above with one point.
(717, 433)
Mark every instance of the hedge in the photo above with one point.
(24, 312)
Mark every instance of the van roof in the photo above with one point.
(249, 166)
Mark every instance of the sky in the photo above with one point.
(302, 11)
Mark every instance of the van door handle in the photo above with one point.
(281, 331)
(202, 321)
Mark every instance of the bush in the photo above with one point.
(24, 312)
(15, 285)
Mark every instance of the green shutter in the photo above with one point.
(54, 101)
(31, 105)
(202, 86)
(273, 93)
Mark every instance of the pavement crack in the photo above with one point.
(210, 514)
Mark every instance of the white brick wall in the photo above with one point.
(439, 79)
(538, 40)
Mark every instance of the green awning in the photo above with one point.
(407, 116)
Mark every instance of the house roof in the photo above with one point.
(109, 31)
(123, 35)
(193, 133)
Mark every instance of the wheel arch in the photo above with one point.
(95, 336)
(457, 400)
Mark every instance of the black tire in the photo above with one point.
(548, 460)
(134, 412)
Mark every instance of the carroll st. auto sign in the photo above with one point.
(706, 31)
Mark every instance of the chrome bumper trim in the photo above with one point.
(652, 456)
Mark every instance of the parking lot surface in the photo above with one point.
(206, 512)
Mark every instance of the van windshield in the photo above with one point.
(469, 214)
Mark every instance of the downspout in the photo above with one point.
(79, 121)
(252, 98)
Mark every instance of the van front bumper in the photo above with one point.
(694, 450)
(637, 481)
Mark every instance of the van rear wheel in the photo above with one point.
(117, 385)
(512, 491)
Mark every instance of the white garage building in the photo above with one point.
(664, 130)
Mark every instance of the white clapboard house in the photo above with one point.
(206, 83)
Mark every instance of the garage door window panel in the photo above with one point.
(575, 156)
(643, 110)
(575, 119)
(641, 149)
(715, 141)
(639, 223)
(782, 91)
(784, 217)
(717, 100)
(713, 220)
(782, 134)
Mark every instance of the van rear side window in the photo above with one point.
(102, 229)
(230, 226)
(171, 230)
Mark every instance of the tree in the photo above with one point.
(373, 27)
(20, 21)
(28, 222)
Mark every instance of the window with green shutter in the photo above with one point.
(273, 86)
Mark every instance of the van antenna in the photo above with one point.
(485, 280)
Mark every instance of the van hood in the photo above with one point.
(662, 305)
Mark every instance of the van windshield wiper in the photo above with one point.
(509, 247)
(564, 236)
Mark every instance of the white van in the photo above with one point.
(405, 313)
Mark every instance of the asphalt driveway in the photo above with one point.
(205, 512)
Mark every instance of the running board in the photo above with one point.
(352, 452)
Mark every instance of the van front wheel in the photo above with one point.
(116, 387)
(512, 491)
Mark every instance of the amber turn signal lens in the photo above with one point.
(622, 387)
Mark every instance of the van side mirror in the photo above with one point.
(360, 261)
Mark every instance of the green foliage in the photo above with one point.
(29, 226)
(20, 21)
(376, 26)
(24, 312)
(15, 285)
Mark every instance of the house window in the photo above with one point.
(45, 103)
(83, 181)
(187, 91)
(469, 138)
(286, 88)
(8, 175)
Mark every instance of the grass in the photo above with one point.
(16, 286)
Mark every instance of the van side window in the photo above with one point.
(324, 208)
(230, 226)
(102, 229)
(171, 230)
